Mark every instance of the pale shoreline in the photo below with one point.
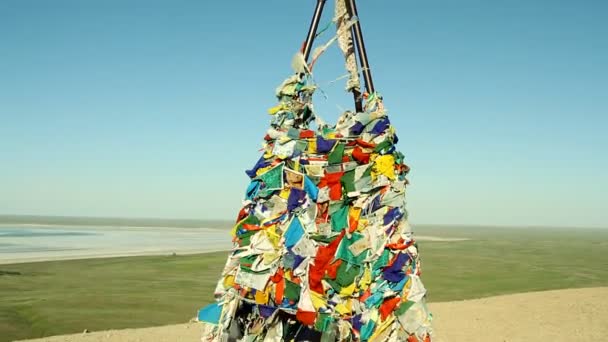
(26, 259)
(57, 242)
(155, 252)
(93, 226)
(121, 241)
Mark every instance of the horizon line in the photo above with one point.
(22, 217)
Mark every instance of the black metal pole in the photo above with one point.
(351, 7)
(312, 31)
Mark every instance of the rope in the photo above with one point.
(345, 42)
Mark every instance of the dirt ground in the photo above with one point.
(563, 315)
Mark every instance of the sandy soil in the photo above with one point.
(564, 315)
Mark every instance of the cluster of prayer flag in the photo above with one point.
(322, 246)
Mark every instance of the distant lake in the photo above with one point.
(20, 243)
(33, 232)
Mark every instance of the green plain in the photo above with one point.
(61, 297)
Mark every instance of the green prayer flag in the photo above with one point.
(386, 144)
(323, 321)
(335, 156)
(245, 240)
(273, 178)
(339, 219)
(403, 308)
(347, 273)
(345, 253)
(301, 146)
(292, 291)
(348, 181)
(382, 260)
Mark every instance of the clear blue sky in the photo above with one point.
(155, 108)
